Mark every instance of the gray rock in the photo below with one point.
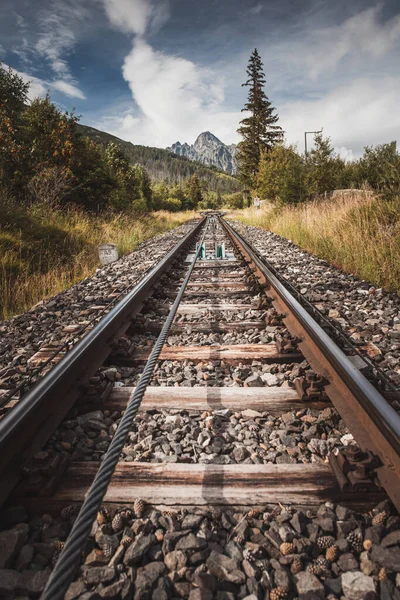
(356, 585)
(96, 558)
(24, 557)
(97, 575)
(392, 539)
(367, 566)
(116, 591)
(253, 381)
(146, 578)
(298, 522)
(201, 595)
(34, 581)
(333, 585)
(191, 521)
(240, 454)
(11, 542)
(389, 558)
(175, 560)
(225, 568)
(387, 591)
(10, 582)
(191, 542)
(309, 587)
(348, 562)
(75, 590)
(138, 548)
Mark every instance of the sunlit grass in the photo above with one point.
(357, 233)
(44, 250)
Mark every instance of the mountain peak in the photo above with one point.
(209, 150)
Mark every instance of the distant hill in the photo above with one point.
(164, 165)
(210, 151)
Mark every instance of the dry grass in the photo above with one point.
(45, 250)
(357, 233)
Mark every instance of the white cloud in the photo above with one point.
(67, 88)
(137, 16)
(40, 87)
(57, 38)
(362, 113)
(356, 40)
(176, 99)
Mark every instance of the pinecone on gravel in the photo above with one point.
(355, 540)
(58, 546)
(296, 566)
(321, 561)
(286, 548)
(159, 535)
(279, 593)
(318, 570)
(108, 550)
(117, 522)
(379, 518)
(325, 541)
(382, 575)
(126, 541)
(138, 507)
(102, 516)
(57, 549)
(367, 545)
(332, 553)
(69, 511)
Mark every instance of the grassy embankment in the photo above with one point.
(44, 250)
(356, 233)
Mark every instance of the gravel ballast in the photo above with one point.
(366, 314)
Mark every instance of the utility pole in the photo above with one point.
(305, 140)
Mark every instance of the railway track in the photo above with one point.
(241, 400)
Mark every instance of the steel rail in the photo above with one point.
(25, 429)
(65, 568)
(373, 422)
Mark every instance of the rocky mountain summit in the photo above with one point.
(210, 151)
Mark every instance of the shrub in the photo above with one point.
(281, 175)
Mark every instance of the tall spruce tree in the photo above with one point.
(260, 131)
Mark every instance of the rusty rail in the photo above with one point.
(374, 424)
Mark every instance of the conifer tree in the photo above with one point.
(259, 130)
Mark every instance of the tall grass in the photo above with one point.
(44, 250)
(355, 232)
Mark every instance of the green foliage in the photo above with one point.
(236, 200)
(211, 201)
(13, 92)
(163, 165)
(323, 167)
(259, 130)
(281, 175)
(172, 204)
(193, 193)
(380, 169)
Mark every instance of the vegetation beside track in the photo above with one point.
(358, 233)
(44, 249)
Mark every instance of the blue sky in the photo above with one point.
(157, 71)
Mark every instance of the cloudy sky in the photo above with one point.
(157, 71)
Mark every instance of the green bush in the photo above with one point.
(281, 175)
(233, 200)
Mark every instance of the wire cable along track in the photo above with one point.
(200, 388)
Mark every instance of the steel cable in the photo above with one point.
(68, 562)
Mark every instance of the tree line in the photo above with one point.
(45, 158)
(277, 171)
